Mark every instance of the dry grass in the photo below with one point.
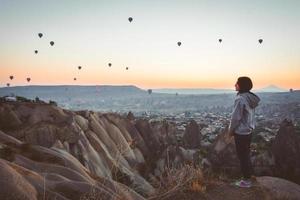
(182, 180)
(95, 194)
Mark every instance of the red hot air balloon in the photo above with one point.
(75, 79)
(109, 64)
(40, 35)
(220, 40)
(11, 77)
(7, 84)
(51, 43)
(28, 80)
(130, 19)
(79, 67)
(260, 41)
(127, 68)
(36, 51)
(179, 44)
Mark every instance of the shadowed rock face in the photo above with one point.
(286, 151)
(8, 118)
(222, 154)
(192, 136)
(16, 186)
(150, 137)
(166, 132)
(264, 164)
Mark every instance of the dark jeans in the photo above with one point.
(242, 144)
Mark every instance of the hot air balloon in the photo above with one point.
(127, 68)
(79, 67)
(109, 64)
(149, 91)
(75, 79)
(40, 35)
(28, 80)
(51, 43)
(220, 40)
(130, 19)
(7, 84)
(179, 44)
(36, 51)
(260, 41)
(11, 77)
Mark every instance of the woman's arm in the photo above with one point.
(237, 115)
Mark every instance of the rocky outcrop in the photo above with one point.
(50, 153)
(222, 154)
(97, 144)
(286, 151)
(264, 164)
(8, 118)
(165, 131)
(35, 172)
(150, 137)
(192, 135)
(280, 188)
(14, 185)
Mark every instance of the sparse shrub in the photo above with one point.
(183, 180)
(95, 194)
(52, 103)
(23, 99)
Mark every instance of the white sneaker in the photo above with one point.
(243, 184)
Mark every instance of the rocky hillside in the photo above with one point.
(47, 152)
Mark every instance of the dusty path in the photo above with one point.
(225, 191)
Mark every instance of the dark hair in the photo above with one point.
(245, 84)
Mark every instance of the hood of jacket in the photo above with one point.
(251, 98)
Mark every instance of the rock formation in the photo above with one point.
(192, 136)
(222, 154)
(286, 151)
(50, 153)
(88, 143)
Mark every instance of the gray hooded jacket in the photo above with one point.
(242, 119)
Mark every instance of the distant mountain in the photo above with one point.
(271, 88)
(72, 91)
(76, 96)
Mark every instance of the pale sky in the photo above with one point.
(94, 33)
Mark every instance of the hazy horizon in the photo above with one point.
(268, 88)
(95, 33)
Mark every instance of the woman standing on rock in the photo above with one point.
(241, 125)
